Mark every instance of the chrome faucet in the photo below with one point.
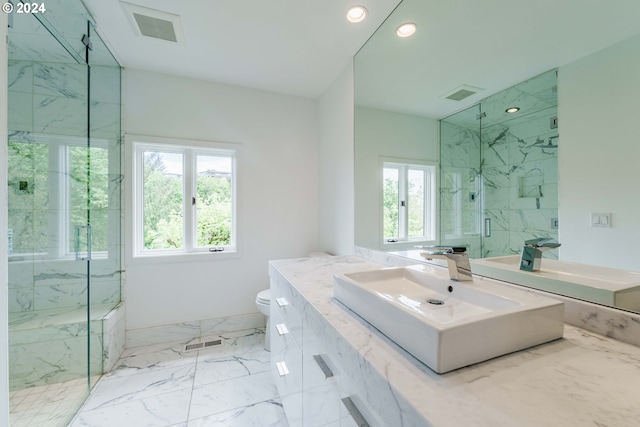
(532, 252)
(457, 260)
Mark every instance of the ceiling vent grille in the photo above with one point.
(461, 92)
(155, 24)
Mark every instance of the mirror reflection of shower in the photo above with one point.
(549, 143)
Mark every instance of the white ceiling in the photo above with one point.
(299, 47)
(491, 44)
(296, 47)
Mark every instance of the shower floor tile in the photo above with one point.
(51, 405)
(165, 386)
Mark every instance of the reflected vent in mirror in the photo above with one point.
(461, 92)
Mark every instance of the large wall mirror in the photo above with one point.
(439, 160)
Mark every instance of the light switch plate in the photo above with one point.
(599, 219)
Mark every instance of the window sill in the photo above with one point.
(184, 257)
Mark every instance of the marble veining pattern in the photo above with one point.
(518, 170)
(582, 379)
(221, 386)
(193, 330)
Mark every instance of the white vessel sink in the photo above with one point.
(609, 286)
(475, 321)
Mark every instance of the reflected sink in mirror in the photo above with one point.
(446, 324)
(602, 285)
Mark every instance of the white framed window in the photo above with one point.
(409, 203)
(184, 197)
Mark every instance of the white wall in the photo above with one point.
(599, 155)
(278, 175)
(385, 134)
(4, 279)
(336, 150)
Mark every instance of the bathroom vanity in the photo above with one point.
(334, 369)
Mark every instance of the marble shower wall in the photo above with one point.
(48, 102)
(48, 115)
(501, 170)
(460, 187)
(520, 183)
(519, 167)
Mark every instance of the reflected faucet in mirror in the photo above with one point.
(532, 252)
(456, 258)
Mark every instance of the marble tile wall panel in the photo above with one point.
(193, 330)
(105, 120)
(498, 244)
(162, 334)
(20, 76)
(48, 49)
(59, 296)
(20, 300)
(460, 149)
(21, 274)
(66, 80)
(20, 111)
(59, 116)
(104, 79)
(48, 333)
(113, 342)
(514, 167)
(231, 324)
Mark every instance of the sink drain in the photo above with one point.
(435, 301)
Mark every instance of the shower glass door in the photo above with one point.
(461, 180)
(499, 170)
(63, 211)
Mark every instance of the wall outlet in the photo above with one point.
(599, 219)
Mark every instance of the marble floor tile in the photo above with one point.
(52, 405)
(226, 395)
(157, 410)
(164, 386)
(112, 391)
(262, 414)
(212, 368)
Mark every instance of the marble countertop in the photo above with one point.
(582, 379)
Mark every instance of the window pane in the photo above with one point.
(214, 208)
(163, 212)
(390, 202)
(416, 203)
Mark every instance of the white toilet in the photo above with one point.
(263, 301)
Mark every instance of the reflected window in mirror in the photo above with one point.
(408, 202)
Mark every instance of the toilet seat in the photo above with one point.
(264, 297)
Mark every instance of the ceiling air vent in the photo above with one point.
(155, 23)
(461, 92)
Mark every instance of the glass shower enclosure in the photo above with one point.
(64, 198)
(499, 170)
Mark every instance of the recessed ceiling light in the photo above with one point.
(406, 30)
(356, 14)
(512, 110)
